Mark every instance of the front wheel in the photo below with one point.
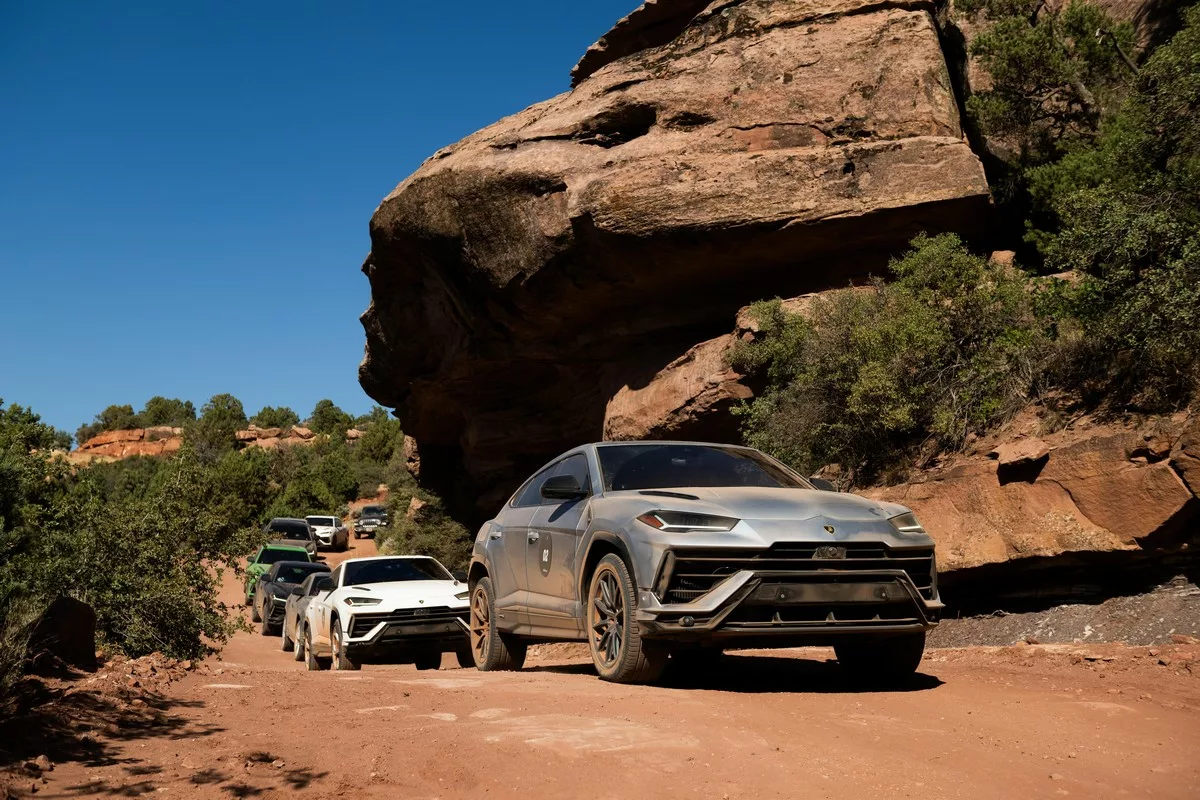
(298, 648)
(341, 659)
(880, 659)
(267, 629)
(490, 649)
(618, 650)
(285, 642)
(254, 615)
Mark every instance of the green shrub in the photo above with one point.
(429, 531)
(870, 375)
(328, 419)
(275, 417)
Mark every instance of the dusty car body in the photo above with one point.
(648, 549)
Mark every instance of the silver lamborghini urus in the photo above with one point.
(650, 551)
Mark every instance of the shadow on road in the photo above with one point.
(755, 674)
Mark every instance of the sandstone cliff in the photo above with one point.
(711, 154)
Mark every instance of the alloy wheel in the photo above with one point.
(608, 617)
(481, 625)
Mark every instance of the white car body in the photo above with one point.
(330, 531)
(388, 622)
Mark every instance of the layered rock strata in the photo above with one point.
(708, 157)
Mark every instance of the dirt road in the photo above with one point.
(1033, 721)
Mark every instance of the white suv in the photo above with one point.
(330, 531)
(390, 610)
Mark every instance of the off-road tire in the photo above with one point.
(491, 650)
(880, 660)
(286, 644)
(341, 661)
(466, 659)
(298, 649)
(700, 660)
(611, 612)
(314, 664)
(428, 661)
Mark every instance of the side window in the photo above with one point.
(531, 493)
(335, 577)
(577, 467)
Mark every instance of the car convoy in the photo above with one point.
(647, 551)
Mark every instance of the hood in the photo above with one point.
(405, 594)
(765, 503)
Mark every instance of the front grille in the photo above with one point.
(361, 624)
(694, 573)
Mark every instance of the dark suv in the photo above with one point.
(373, 518)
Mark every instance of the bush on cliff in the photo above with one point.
(157, 411)
(869, 377)
(1127, 218)
(275, 417)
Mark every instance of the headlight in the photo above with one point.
(907, 524)
(362, 601)
(675, 521)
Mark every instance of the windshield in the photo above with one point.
(668, 466)
(322, 522)
(301, 535)
(296, 573)
(292, 528)
(373, 511)
(269, 555)
(395, 569)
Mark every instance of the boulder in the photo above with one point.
(1020, 452)
(690, 398)
(297, 432)
(524, 276)
(112, 437)
(248, 435)
(1088, 498)
(66, 631)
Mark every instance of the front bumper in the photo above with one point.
(395, 634)
(779, 596)
(273, 611)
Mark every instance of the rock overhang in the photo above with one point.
(523, 275)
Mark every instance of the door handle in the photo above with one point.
(496, 533)
(534, 536)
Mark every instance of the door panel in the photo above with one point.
(506, 556)
(552, 547)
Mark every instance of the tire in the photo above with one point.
(701, 660)
(314, 664)
(428, 661)
(618, 650)
(298, 646)
(286, 644)
(880, 660)
(491, 650)
(254, 615)
(466, 659)
(341, 661)
(267, 629)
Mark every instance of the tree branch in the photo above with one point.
(1105, 33)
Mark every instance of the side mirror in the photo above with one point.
(459, 576)
(297, 590)
(562, 487)
(822, 484)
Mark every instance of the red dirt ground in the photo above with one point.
(1094, 721)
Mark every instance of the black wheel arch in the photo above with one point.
(603, 543)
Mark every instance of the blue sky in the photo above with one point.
(185, 187)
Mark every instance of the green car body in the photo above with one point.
(267, 555)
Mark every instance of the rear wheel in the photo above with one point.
(298, 645)
(618, 650)
(881, 659)
(314, 664)
(490, 649)
(341, 659)
(428, 661)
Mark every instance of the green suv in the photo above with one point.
(267, 555)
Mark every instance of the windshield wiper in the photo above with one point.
(665, 493)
